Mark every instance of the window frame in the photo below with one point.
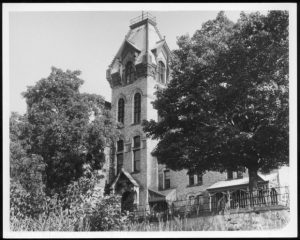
(136, 149)
(129, 72)
(229, 174)
(121, 110)
(167, 179)
(191, 176)
(137, 109)
(200, 176)
(161, 72)
(119, 152)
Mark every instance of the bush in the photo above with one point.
(81, 208)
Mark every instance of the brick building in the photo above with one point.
(140, 66)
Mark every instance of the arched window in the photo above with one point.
(161, 72)
(137, 108)
(129, 72)
(136, 153)
(121, 104)
(120, 155)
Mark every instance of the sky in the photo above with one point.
(85, 41)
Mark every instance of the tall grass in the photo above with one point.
(227, 222)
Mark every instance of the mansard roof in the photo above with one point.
(142, 37)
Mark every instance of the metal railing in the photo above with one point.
(239, 201)
(142, 17)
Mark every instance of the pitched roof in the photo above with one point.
(127, 174)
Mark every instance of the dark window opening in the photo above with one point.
(199, 179)
(191, 179)
(120, 155)
(137, 108)
(161, 72)
(121, 111)
(239, 174)
(136, 153)
(229, 175)
(167, 179)
(129, 72)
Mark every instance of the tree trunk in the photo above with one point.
(253, 179)
(253, 182)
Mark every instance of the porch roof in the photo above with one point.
(240, 182)
(127, 174)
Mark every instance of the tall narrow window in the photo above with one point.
(121, 104)
(137, 108)
(161, 72)
(120, 155)
(129, 72)
(136, 153)
(167, 179)
(229, 175)
(199, 179)
(191, 179)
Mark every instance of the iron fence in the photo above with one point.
(217, 203)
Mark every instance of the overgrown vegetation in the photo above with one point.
(227, 222)
(56, 157)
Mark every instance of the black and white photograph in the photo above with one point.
(149, 120)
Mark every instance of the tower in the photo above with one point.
(140, 66)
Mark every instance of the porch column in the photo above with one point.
(209, 201)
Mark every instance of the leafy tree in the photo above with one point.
(226, 107)
(66, 128)
(27, 172)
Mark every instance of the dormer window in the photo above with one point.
(129, 72)
(161, 72)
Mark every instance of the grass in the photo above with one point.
(269, 220)
(228, 222)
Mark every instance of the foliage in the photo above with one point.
(226, 107)
(82, 208)
(66, 128)
(26, 172)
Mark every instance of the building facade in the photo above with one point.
(140, 66)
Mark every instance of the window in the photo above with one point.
(137, 108)
(229, 175)
(121, 104)
(161, 72)
(191, 179)
(129, 72)
(199, 179)
(120, 155)
(239, 174)
(191, 199)
(136, 153)
(167, 179)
